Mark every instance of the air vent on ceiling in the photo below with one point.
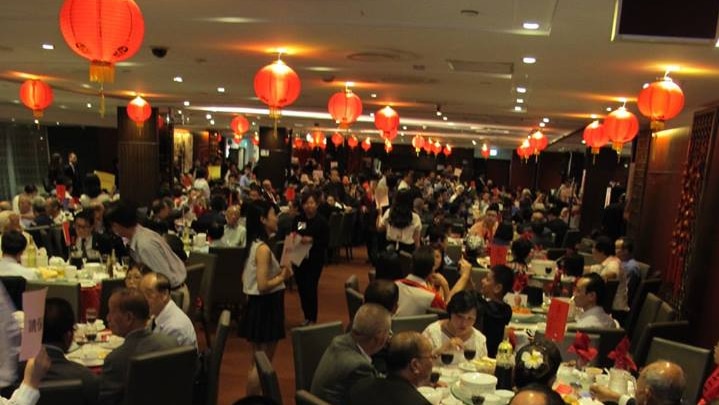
(501, 69)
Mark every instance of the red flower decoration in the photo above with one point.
(581, 346)
(622, 358)
(520, 281)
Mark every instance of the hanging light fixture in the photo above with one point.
(36, 95)
(660, 101)
(345, 107)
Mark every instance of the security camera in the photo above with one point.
(159, 51)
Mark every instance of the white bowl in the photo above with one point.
(432, 395)
(478, 383)
(504, 395)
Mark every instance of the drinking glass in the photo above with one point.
(469, 353)
(447, 358)
(91, 315)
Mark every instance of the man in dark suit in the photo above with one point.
(348, 358)
(557, 226)
(72, 173)
(57, 336)
(88, 241)
(127, 317)
(409, 363)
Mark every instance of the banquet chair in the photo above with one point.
(417, 323)
(372, 275)
(695, 361)
(647, 314)
(666, 313)
(107, 286)
(202, 313)
(354, 302)
(15, 286)
(303, 397)
(635, 307)
(309, 344)
(477, 274)
(268, 378)
(226, 288)
(566, 343)
(352, 282)
(611, 287)
(677, 331)
(609, 338)
(68, 291)
(194, 281)
(57, 243)
(214, 361)
(162, 377)
(348, 222)
(645, 270)
(335, 235)
(571, 238)
(61, 392)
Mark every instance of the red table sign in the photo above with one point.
(497, 255)
(60, 191)
(557, 320)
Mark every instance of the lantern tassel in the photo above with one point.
(102, 72)
(102, 101)
(37, 114)
(656, 125)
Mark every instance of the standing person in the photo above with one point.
(314, 230)
(72, 173)
(402, 225)
(148, 248)
(263, 322)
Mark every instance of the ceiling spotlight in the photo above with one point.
(89, 105)
(439, 110)
(57, 122)
(212, 122)
(424, 127)
(517, 108)
(177, 79)
(220, 89)
(545, 119)
(593, 116)
(208, 116)
(373, 95)
(530, 25)
(16, 101)
(474, 142)
(371, 115)
(253, 123)
(541, 124)
(37, 121)
(48, 47)
(404, 127)
(609, 108)
(444, 118)
(521, 90)
(186, 103)
(520, 101)
(529, 60)
(583, 142)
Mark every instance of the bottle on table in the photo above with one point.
(505, 363)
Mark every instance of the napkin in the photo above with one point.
(581, 346)
(622, 358)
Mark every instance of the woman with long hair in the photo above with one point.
(403, 226)
(263, 280)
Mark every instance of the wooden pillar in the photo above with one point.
(275, 155)
(596, 181)
(138, 156)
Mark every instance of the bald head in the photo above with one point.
(371, 326)
(155, 287)
(232, 215)
(660, 383)
(536, 394)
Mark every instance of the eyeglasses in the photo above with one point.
(431, 357)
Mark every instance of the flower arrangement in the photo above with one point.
(582, 347)
(622, 358)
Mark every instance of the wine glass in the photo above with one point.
(469, 353)
(91, 315)
(447, 358)
(434, 377)
(548, 270)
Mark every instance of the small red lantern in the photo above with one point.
(104, 32)
(417, 142)
(352, 142)
(36, 95)
(236, 139)
(239, 125)
(298, 143)
(595, 137)
(621, 126)
(256, 140)
(345, 107)
(524, 150)
(660, 101)
(387, 146)
(437, 148)
(485, 151)
(139, 110)
(322, 144)
(318, 138)
(538, 142)
(387, 120)
(428, 146)
(278, 86)
(447, 150)
(337, 139)
(366, 144)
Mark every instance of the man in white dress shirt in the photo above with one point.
(588, 294)
(235, 233)
(13, 244)
(168, 317)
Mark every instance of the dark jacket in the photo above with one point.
(340, 367)
(64, 369)
(492, 318)
(385, 391)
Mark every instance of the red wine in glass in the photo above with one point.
(91, 336)
(447, 358)
(469, 354)
(434, 377)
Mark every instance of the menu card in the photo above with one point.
(557, 320)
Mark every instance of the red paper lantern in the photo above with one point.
(538, 142)
(428, 146)
(36, 95)
(322, 144)
(524, 150)
(447, 150)
(104, 32)
(139, 110)
(417, 142)
(621, 126)
(236, 139)
(387, 121)
(437, 148)
(256, 140)
(595, 137)
(337, 139)
(366, 144)
(318, 138)
(278, 86)
(387, 146)
(660, 101)
(345, 107)
(298, 143)
(485, 151)
(239, 125)
(352, 142)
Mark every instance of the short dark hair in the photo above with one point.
(218, 202)
(132, 301)
(604, 245)
(255, 229)
(627, 244)
(30, 189)
(13, 243)
(59, 320)
(551, 397)
(504, 232)
(309, 194)
(88, 215)
(216, 230)
(503, 276)
(521, 248)
(595, 285)
(403, 347)
(382, 292)
(545, 373)
(462, 302)
(122, 213)
(423, 261)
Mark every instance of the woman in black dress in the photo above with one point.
(314, 229)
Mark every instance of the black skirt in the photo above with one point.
(263, 319)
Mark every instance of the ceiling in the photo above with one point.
(463, 55)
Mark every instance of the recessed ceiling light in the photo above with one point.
(530, 25)
(451, 124)
(373, 95)
(583, 141)
(186, 103)
(521, 90)
(253, 123)
(439, 113)
(177, 79)
(208, 116)
(404, 127)
(593, 116)
(520, 100)
(57, 123)
(529, 60)
(86, 86)
(717, 44)
(179, 112)
(16, 101)
(89, 105)
(474, 142)
(517, 108)
(609, 108)
(371, 115)
(48, 47)
(541, 124)
(212, 122)
(444, 118)
(37, 121)
(424, 127)
(220, 89)
(545, 119)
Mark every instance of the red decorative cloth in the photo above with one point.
(622, 358)
(581, 346)
(520, 281)
(711, 388)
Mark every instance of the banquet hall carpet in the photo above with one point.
(235, 363)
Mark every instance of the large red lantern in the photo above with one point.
(485, 151)
(417, 143)
(278, 86)
(239, 125)
(345, 107)
(387, 121)
(298, 143)
(660, 101)
(595, 137)
(447, 150)
(621, 126)
(352, 142)
(102, 31)
(366, 144)
(36, 95)
(139, 110)
(337, 139)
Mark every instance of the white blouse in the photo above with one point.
(477, 341)
(404, 235)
